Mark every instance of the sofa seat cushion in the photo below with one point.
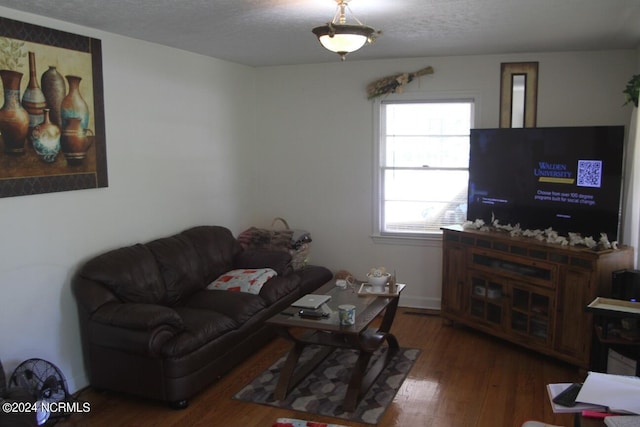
(238, 306)
(200, 327)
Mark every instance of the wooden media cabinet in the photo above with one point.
(527, 291)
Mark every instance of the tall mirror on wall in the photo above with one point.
(518, 94)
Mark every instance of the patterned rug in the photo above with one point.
(322, 391)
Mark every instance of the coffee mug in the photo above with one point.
(347, 313)
(345, 283)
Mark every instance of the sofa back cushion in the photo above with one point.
(131, 273)
(166, 270)
(216, 248)
(180, 266)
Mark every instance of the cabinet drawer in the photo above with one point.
(525, 269)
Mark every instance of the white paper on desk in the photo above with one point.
(617, 392)
(555, 389)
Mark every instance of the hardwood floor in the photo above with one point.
(462, 379)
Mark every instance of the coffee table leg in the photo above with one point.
(389, 315)
(289, 376)
(355, 384)
(286, 374)
(392, 342)
(361, 378)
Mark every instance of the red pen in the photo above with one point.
(596, 414)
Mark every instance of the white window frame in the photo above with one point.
(418, 239)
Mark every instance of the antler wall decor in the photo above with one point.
(395, 83)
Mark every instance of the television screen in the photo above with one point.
(566, 178)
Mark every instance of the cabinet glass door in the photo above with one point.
(486, 302)
(530, 313)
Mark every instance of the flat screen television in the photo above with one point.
(566, 178)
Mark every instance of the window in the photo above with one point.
(423, 165)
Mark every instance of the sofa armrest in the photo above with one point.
(134, 328)
(280, 287)
(280, 261)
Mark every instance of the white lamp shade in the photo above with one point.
(343, 42)
(343, 39)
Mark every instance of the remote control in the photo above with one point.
(313, 314)
(568, 396)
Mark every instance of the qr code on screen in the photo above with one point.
(589, 173)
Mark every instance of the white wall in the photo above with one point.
(176, 128)
(315, 151)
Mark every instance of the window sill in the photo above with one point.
(431, 240)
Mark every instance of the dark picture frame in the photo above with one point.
(33, 50)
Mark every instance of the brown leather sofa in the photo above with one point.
(149, 327)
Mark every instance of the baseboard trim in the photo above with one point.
(420, 302)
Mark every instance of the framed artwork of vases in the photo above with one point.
(52, 130)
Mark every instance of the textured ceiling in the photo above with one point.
(278, 32)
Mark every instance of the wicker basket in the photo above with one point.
(279, 237)
(299, 255)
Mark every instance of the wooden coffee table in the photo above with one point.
(329, 334)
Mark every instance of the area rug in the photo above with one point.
(323, 390)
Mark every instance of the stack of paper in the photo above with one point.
(555, 389)
(617, 392)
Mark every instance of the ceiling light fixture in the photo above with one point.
(342, 38)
